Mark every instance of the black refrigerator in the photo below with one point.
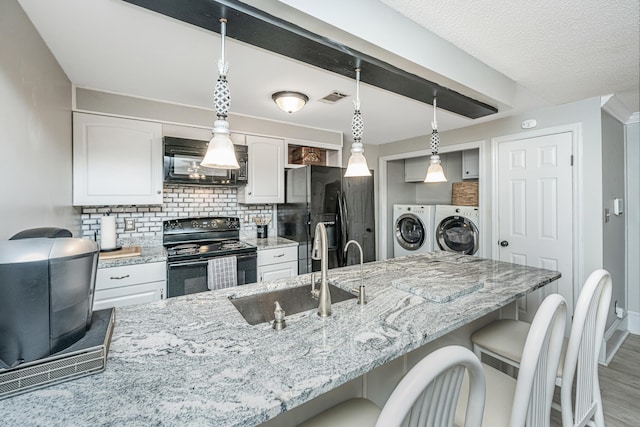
(345, 205)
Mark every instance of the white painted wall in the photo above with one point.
(613, 238)
(35, 130)
(632, 212)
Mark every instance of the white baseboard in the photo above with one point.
(613, 339)
(633, 322)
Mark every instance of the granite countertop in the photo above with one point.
(270, 242)
(193, 360)
(148, 254)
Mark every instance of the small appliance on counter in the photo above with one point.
(46, 296)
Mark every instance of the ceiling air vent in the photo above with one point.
(333, 97)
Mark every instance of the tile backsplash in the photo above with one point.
(179, 202)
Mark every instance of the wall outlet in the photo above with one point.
(619, 312)
(130, 224)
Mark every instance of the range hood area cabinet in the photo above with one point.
(266, 171)
(116, 161)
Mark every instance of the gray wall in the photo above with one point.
(398, 192)
(613, 240)
(35, 130)
(587, 114)
(632, 212)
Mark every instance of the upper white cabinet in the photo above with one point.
(116, 161)
(415, 169)
(266, 171)
(470, 164)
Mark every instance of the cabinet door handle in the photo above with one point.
(279, 256)
(119, 277)
(159, 192)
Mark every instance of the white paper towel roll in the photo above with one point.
(108, 232)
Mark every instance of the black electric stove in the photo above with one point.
(192, 242)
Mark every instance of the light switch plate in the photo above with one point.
(130, 224)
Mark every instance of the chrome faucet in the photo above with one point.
(361, 296)
(321, 252)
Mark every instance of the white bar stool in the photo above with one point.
(426, 396)
(504, 340)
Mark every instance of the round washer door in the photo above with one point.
(457, 234)
(410, 232)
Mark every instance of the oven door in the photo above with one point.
(190, 277)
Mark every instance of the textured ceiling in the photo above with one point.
(562, 51)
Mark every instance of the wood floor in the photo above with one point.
(620, 385)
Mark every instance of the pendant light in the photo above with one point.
(435, 172)
(220, 152)
(357, 162)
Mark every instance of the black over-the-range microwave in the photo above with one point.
(182, 159)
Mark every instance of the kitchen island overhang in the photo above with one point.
(194, 360)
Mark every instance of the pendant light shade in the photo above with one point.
(357, 165)
(290, 102)
(220, 152)
(435, 173)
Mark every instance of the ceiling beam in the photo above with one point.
(255, 27)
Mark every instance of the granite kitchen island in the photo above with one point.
(194, 360)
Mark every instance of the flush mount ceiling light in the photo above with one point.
(435, 172)
(357, 162)
(220, 152)
(290, 102)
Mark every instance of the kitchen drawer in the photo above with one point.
(127, 275)
(277, 255)
(128, 295)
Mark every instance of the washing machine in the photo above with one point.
(413, 229)
(457, 229)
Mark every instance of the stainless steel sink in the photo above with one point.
(259, 308)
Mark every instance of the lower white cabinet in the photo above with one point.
(129, 285)
(277, 263)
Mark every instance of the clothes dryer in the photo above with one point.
(413, 229)
(457, 229)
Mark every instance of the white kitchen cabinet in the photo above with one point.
(415, 169)
(266, 171)
(277, 263)
(470, 164)
(129, 285)
(116, 161)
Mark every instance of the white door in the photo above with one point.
(535, 211)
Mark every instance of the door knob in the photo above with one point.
(504, 243)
